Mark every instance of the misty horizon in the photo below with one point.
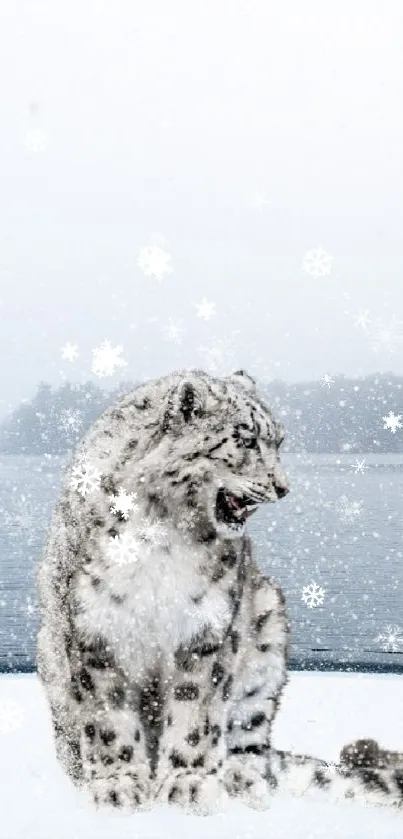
(116, 383)
(204, 196)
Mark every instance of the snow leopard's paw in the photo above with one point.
(245, 781)
(127, 792)
(200, 794)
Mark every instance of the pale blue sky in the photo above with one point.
(175, 119)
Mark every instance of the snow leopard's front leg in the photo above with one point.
(115, 762)
(261, 632)
(192, 751)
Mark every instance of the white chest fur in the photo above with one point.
(158, 612)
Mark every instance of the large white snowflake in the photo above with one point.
(71, 420)
(317, 262)
(359, 466)
(11, 716)
(391, 639)
(85, 478)
(205, 309)
(124, 548)
(313, 595)
(136, 542)
(154, 261)
(327, 380)
(392, 421)
(123, 503)
(349, 510)
(106, 358)
(70, 351)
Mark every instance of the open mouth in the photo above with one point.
(233, 510)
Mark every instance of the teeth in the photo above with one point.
(239, 510)
(238, 513)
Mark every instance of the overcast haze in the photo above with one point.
(245, 134)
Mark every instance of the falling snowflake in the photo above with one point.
(386, 336)
(327, 381)
(11, 716)
(124, 548)
(359, 466)
(154, 261)
(259, 199)
(362, 319)
(70, 351)
(23, 515)
(392, 421)
(29, 607)
(313, 595)
(71, 420)
(106, 358)
(349, 510)
(123, 503)
(153, 533)
(219, 357)
(175, 331)
(136, 542)
(317, 263)
(391, 639)
(205, 309)
(36, 141)
(85, 478)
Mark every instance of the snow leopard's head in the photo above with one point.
(215, 456)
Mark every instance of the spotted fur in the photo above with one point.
(164, 673)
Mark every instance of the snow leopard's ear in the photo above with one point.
(242, 378)
(185, 404)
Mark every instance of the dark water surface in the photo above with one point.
(339, 529)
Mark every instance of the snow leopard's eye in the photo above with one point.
(246, 435)
(249, 442)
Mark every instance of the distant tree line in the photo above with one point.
(55, 419)
(346, 416)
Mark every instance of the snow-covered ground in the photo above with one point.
(319, 713)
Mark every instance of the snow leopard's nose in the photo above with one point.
(281, 490)
(280, 483)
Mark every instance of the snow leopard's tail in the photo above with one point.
(365, 773)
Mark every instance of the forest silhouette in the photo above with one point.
(345, 415)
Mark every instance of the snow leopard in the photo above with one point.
(162, 647)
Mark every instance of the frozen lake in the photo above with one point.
(338, 528)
